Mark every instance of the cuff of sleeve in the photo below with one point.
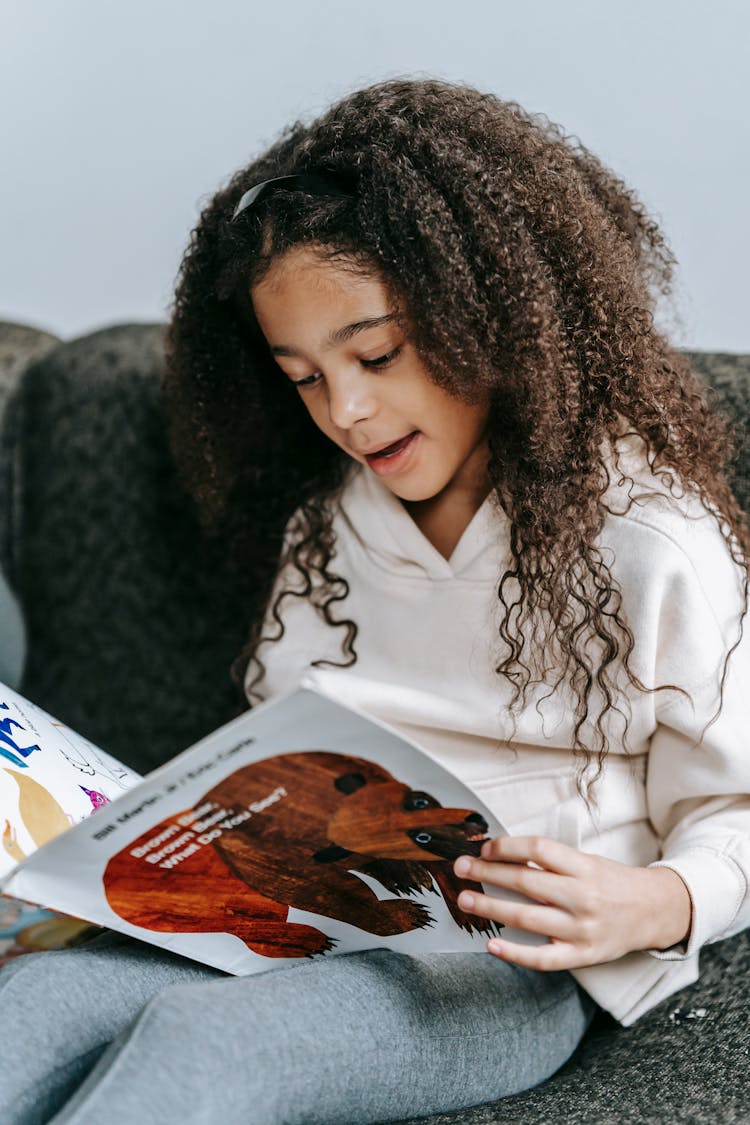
(716, 887)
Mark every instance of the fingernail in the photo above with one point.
(462, 866)
(466, 900)
(494, 947)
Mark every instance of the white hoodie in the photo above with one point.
(426, 648)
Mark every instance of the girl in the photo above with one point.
(414, 380)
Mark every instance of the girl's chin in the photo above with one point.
(411, 491)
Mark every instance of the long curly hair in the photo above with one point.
(528, 273)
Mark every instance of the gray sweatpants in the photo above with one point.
(123, 1033)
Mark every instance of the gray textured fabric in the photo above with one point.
(687, 1061)
(127, 607)
(12, 636)
(19, 346)
(132, 623)
(728, 380)
(118, 1033)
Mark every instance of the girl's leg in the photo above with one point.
(60, 1010)
(358, 1038)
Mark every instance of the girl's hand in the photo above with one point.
(592, 909)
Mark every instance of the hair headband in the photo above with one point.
(313, 183)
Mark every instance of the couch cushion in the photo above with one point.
(132, 622)
(19, 345)
(728, 378)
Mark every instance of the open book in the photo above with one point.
(300, 828)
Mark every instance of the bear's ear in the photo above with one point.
(349, 783)
(331, 854)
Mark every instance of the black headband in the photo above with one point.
(313, 183)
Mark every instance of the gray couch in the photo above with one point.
(132, 623)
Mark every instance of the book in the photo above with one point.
(302, 828)
(50, 779)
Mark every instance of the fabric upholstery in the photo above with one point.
(19, 345)
(131, 621)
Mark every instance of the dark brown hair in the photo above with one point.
(527, 271)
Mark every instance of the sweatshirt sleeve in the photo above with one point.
(698, 775)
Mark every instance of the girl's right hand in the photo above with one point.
(591, 908)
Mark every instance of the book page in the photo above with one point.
(50, 778)
(302, 828)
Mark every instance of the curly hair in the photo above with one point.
(528, 273)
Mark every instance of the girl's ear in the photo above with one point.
(349, 783)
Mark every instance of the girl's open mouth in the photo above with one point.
(393, 458)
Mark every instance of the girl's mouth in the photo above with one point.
(393, 458)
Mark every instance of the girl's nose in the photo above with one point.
(350, 399)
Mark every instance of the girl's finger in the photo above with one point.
(548, 958)
(542, 886)
(541, 850)
(547, 921)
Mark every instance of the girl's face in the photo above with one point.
(335, 336)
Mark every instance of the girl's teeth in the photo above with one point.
(392, 450)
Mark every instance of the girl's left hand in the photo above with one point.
(592, 909)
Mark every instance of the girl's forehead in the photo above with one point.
(308, 266)
(302, 280)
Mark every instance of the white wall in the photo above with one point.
(117, 119)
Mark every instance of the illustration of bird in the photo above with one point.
(97, 799)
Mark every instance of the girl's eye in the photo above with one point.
(377, 364)
(308, 381)
(383, 360)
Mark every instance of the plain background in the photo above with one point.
(120, 119)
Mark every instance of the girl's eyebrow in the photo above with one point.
(341, 335)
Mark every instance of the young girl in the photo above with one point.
(414, 380)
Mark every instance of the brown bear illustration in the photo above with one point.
(291, 831)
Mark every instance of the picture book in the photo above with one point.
(302, 828)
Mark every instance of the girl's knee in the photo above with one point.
(183, 1018)
(48, 1039)
(224, 1061)
(32, 975)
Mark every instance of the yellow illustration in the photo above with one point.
(43, 817)
(10, 843)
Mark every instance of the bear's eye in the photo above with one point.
(416, 800)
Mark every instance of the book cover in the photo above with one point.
(301, 828)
